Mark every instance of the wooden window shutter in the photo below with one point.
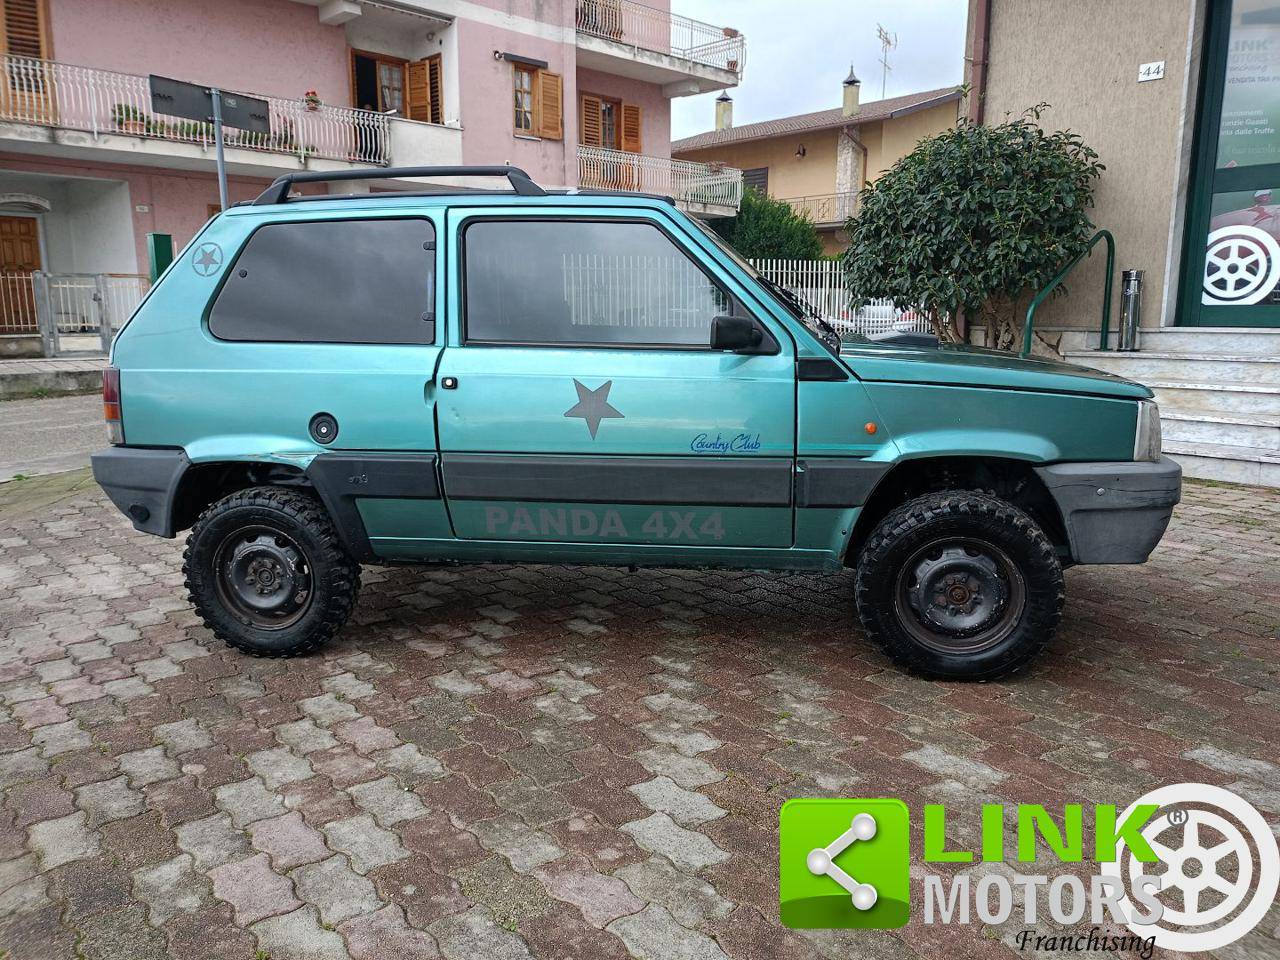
(591, 134)
(631, 128)
(550, 111)
(24, 29)
(418, 95)
(435, 74)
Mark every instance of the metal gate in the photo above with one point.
(78, 313)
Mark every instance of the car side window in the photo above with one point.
(331, 281)
(585, 283)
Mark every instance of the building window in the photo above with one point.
(24, 27)
(756, 179)
(606, 122)
(378, 82)
(537, 104)
(585, 283)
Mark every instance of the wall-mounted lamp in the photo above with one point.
(800, 152)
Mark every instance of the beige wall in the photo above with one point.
(1082, 58)
(890, 141)
(813, 176)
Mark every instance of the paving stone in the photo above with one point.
(303, 736)
(148, 766)
(288, 841)
(689, 899)
(182, 736)
(367, 844)
(423, 894)
(128, 688)
(279, 766)
(298, 936)
(170, 888)
(384, 934)
(59, 738)
(410, 765)
(213, 841)
(653, 934)
(60, 841)
(109, 800)
(473, 934)
(328, 709)
(685, 807)
(248, 801)
(685, 848)
(689, 772)
(387, 800)
(456, 684)
(348, 686)
(335, 889)
(524, 846)
(120, 935)
(600, 898)
(253, 890)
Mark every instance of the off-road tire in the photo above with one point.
(334, 575)
(959, 514)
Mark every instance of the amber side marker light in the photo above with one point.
(870, 428)
(111, 404)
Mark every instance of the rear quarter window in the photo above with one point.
(331, 281)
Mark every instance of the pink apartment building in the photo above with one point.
(577, 92)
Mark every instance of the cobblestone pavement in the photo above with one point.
(520, 761)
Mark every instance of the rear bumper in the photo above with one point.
(1114, 512)
(142, 483)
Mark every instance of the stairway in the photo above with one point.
(1219, 395)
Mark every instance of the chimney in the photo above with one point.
(852, 86)
(724, 111)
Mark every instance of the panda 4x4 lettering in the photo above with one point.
(523, 375)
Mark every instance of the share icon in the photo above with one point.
(820, 861)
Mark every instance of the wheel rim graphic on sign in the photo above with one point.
(1197, 845)
(1242, 265)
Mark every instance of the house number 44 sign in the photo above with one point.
(1151, 71)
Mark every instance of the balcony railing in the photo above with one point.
(600, 168)
(53, 94)
(826, 208)
(648, 28)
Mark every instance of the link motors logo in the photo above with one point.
(1188, 867)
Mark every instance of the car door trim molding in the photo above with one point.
(837, 481)
(703, 481)
(343, 478)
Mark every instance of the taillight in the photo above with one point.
(111, 404)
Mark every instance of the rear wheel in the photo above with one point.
(960, 585)
(267, 573)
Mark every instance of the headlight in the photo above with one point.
(1146, 442)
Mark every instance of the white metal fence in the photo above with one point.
(70, 311)
(639, 292)
(53, 94)
(649, 28)
(821, 284)
(825, 208)
(600, 168)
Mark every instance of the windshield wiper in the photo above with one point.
(804, 308)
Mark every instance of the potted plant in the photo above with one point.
(128, 118)
(312, 100)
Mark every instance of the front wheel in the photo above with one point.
(960, 585)
(268, 574)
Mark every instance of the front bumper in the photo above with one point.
(142, 483)
(1114, 512)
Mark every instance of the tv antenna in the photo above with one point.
(888, 41)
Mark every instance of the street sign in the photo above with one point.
(174, 98)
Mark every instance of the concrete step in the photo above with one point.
(1220, 397)
(1259, 431)
(39, 377)
(1233, 341)
(1200, 368)
(1220, 461)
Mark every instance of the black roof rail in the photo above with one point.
(278, 192)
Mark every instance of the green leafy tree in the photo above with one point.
(976, 219)
(769, 229)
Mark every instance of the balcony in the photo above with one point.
(632, 40)
(114, 109)
(825, 210)
(702, 189)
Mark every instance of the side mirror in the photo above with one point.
(737, 335)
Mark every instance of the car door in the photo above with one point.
(580, 401)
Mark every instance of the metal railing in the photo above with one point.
(17, 304)
(69, 310)
(661, 31)
(53, 94)
(825, 208)
(600, 168)
(1105, 331)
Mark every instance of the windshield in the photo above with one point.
(795, 306)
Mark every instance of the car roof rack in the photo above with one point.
(278, 192)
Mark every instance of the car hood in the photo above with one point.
(965, 366)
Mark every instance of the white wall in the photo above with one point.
(89, 228)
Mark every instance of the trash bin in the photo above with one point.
(1130, 309)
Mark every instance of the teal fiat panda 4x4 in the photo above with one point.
(522, 375)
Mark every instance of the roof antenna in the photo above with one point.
(888, 41)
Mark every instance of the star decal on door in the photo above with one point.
(593, 406)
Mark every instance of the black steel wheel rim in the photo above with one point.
(263, 577)
(959, 595)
